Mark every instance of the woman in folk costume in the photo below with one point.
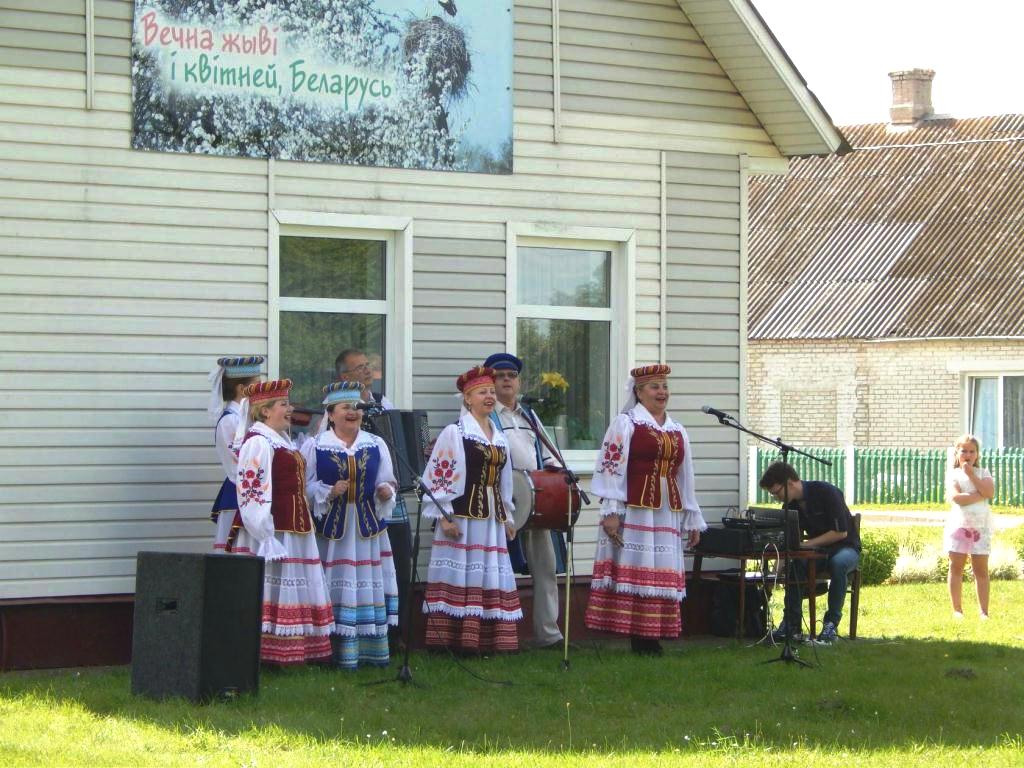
(274, 523)
(227, 384)
(351, 481)
(649, 514)
(471, 600)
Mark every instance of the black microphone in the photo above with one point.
(362, 405)
(531, 400)
(716, 413)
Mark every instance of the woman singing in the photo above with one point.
(649, 513)
(471, 601)
(274, 523)
(351, 481)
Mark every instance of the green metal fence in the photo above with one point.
(808, 469)
(899, 476)
(1007, 467)
(902, 475)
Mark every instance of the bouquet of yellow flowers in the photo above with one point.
(551, 390)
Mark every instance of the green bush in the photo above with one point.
(879, 550)
(1018, 541)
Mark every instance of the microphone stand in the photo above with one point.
(405, 673)
(788, 655)
(573, 481)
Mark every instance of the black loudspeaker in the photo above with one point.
(406, 433)
(417, 438)
(725, 604)
(197, 625)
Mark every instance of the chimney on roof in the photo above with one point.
(911, 95)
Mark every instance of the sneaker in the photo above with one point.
(983, 617)
(828, 634)
(779, 634)
(958, 615)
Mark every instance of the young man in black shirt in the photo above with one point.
(828, 527)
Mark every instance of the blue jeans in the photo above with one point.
(839, 566)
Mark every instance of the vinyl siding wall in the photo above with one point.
(125, 274)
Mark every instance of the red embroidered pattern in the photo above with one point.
(642, 577)
(253, 486)
(467, 597)
(297, 615)
(611, 460)
(295, 649)
(627, 614)
(469, 547)
(444, 472)
(652, 529)
(471, 633)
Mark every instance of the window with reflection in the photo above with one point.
(997, 410)
(564, 335)
(333, 297)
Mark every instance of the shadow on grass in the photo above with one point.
(863, 694)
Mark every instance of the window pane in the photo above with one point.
(564, 277)
(984, 412)
(332, 268)
(580, 351)
(1013, 412)
(311, 340)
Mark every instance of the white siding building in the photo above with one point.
(126, 273)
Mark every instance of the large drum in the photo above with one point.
(542, 499)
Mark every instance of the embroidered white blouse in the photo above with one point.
(225, 436)
(609, 482)
(255, 488)
(445, 474)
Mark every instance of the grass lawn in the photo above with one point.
(917, 689)
(938, 508)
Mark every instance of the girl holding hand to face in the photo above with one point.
(969, 524)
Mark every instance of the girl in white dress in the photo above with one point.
(969, 524)
(471, 600)
(351, 481)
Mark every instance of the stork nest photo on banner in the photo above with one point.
(394, 83)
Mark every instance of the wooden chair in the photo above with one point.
(852, 588)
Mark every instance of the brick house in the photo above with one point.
(886, 306)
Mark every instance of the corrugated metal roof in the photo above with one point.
(917, 233)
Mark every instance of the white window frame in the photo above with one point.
(397, 233)
(999, 375)
(621, 314)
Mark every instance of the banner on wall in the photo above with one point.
(395, 83)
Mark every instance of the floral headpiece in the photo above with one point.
(474, 378)
(646, 373)
(343, 392)
(229, 368)
(268, 390)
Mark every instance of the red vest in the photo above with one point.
(288, 491)
(484, 463)
(653, 454)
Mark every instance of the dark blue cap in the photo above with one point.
(503, 361)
